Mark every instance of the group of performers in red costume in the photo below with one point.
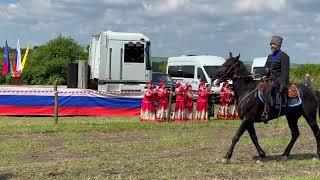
(148, 111)
(183, 108)
(227, 108)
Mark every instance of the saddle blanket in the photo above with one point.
(292, 102)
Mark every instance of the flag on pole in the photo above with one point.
(17, 64)
(6, 62)
(25, 57)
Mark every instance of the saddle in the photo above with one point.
(292, 90)
(293, 95)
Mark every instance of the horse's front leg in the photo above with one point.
(235, 139)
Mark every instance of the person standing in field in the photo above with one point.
(202, 102)
(225, 98)
(189, 102)
(147, 112)
(179, 111)
(163, 103)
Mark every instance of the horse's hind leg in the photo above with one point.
(311, 119)
(253, 135)
(293, 125)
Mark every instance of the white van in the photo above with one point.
(258, 67)
(193, 69)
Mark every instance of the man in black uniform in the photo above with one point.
(277, 72)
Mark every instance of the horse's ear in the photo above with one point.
(238, 57)
(230, 54)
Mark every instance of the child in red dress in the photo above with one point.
(163, 103)
(179, 113)
(188, 102)
(147, 112)
(202, 102)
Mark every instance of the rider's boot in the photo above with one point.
(265, 117)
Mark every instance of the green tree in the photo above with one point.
(159, 66)
(297, 74)
(49, 62)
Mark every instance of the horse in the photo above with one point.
(250, 108)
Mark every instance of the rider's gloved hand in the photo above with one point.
(267, 72)
(283, 88)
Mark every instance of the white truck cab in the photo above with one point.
(258, 67)
(194, 69)
(119, 58)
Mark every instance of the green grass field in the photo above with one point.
(118, 148)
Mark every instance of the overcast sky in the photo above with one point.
(175, 27)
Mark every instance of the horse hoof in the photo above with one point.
(284, 158)
(261, 158)
(315, 159)
(258, 157)
(225, 160)
(259, 161)
(255, 157)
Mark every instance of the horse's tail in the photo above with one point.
(318, 96)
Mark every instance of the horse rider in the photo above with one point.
(277, 72)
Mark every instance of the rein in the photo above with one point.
(249, 94)
(228, 71)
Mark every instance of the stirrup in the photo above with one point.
(265, 117)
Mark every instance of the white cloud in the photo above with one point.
(317, 19)
(258, 5)
(302, 45)
(239, 37)
(315, 38)
(162, 8)
(264, 33)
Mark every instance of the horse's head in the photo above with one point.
(232, 68)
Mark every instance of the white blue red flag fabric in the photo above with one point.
(6, 62)
(17, 63)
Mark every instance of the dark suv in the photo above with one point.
(157, 77)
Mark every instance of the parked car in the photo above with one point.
(157, 77)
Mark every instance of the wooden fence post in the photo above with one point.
(55, 102)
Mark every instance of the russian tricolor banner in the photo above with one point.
(72, 102)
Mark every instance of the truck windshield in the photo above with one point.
(181, 71)
(134, 52)
(211, 70)
(258, 70)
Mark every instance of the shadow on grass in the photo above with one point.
(6, 176)
(307, 156)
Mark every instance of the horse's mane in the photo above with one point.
(243, 71)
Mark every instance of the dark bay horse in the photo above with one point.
(250, 108)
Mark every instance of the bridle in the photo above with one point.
(229, 69)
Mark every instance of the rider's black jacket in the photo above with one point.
(279, 69)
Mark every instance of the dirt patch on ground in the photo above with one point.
(189, 162)
(121, 137)
(54, 149)
(211, 155)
